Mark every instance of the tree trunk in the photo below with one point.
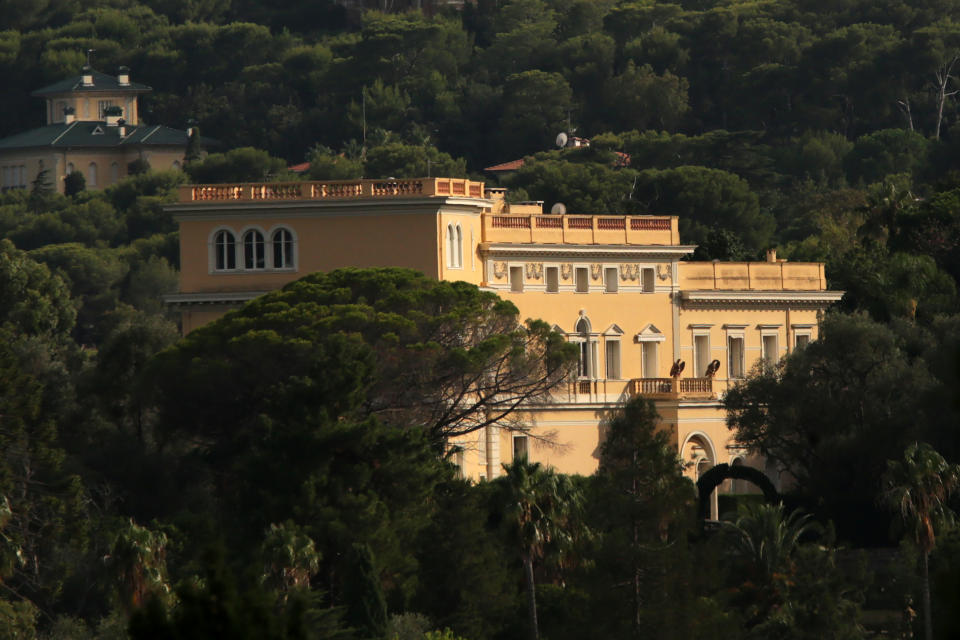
(927, 617)
(943, 79)
(531, 597)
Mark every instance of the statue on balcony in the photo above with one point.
(677, 368)
(712, 368)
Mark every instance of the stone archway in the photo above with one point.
(712, 478)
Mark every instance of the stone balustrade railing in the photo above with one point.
(332, 190)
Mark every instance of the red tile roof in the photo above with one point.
(513, 165)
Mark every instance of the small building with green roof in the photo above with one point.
(93, 126)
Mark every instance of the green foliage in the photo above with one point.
(399, 160)
(705, 199)
(366, 609)
(74, 183)
(238, 165)
(32, 300)
(835, 411)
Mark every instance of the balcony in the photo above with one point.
(580, 229)
(332, 190)
(673, 388)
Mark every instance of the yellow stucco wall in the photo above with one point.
(658, 299)
(58, 163)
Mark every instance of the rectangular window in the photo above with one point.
(801, 340)
(735, 357)
(770, 349)
(613, 359)
(647, 280)
(101, 107)
(553, 279)
(582, 279)
(610, 279)
(519, 447)
(649, 359)
(516, 278)
(459, 461)
(701, 354)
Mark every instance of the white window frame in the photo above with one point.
(547, 270)
(650, 337)
(214, 251)
(769, 331)
(611, 279)
(736, 332)
(242, 249)
(613, 338)
(701, 331)
(586, 341)
(526, 447)
(516, 286)
(586, 279)
(801, 331)
(645, 274)
(271, 252)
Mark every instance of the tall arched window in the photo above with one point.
(451, 246)
(92, 175)
(588, 346)
(459, 247)
(114, 173)
(69, 168)
(254, 254)
(225, 250)
(282, 241)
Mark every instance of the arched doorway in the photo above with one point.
(698, 451)
(709, 481)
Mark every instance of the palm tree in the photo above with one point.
(918, 489)
(540, 509)
(766, 536)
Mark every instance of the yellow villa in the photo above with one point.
(93, 126)
(617, 285)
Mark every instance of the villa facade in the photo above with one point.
(617, 285)
(93, 126)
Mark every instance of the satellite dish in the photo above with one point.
(559, 208)
(561, 140)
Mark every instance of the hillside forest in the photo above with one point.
(265, 477)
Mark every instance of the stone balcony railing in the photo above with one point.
(331, 190)
(673, 388)
(584, 389)
(581, 229)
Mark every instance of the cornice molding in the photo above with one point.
(182, 300)
(361, 207)
(620, 251)
(722, 299)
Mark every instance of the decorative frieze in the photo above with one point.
(500, 270)
(534, 270)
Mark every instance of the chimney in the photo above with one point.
(113, 114)
(123, 76)
(68, 115)
(86, 75)
(771, 255)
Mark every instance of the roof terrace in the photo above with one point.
(332, 190)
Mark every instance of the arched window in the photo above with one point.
(253, 250)
(459, 247)
(588, 348)
(282, 241)
(451, 249)
(92, 175)
(114, 173)
(69, 168)
(176, 165)
(225, 250)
